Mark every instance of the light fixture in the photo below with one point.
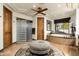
(58, 5)
(34, 6)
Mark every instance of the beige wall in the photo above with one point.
(73, 20)
(14, 15)
(35, 26)
(1, 26)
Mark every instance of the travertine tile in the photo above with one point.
(67, 50)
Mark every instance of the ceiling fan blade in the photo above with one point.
(40, 13)
(34, 10)
(44, 9)
(36, 13)
(43, 13)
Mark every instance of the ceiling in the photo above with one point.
(55, 10)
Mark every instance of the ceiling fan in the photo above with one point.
(40, 10)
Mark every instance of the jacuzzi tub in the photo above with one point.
(62, 39)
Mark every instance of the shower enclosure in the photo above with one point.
(24, 30)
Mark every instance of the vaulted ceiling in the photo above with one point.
(55, 10)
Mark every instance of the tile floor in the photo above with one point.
(67, 50)
(12, 49)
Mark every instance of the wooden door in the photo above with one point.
(40, 28)
(7, 27)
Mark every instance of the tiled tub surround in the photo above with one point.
(61, 39)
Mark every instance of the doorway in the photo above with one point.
(7, 27)
(24, 30)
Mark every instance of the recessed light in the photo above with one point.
(34, 6)
(58, 5)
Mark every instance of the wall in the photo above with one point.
(21, 16)
(1, 26)
(34, 36)
(45, 27)
(77, 27)
(53, 26)
(35, 26)
(77, 21)
(14, 15)
(72, 20)
(13, 29)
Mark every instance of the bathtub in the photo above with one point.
(61, 39)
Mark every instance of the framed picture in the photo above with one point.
(49, 25)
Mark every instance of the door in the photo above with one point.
(29, 30)
(7, 27)
(24, 30)
(21, 30)
(40, 28)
